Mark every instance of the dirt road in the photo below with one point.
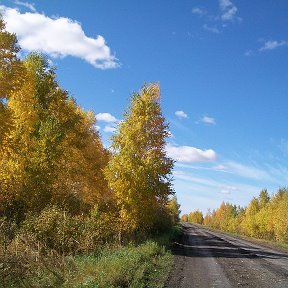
(208, 259)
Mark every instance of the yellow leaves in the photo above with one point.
(264, 217)
(196, 217)
(138, 173)
(51, 147)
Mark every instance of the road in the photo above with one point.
(205, 259)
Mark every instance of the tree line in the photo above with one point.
(264, 217)
(58, 183)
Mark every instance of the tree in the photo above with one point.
(196, 217)
(10, 66)
(11, 72)
(52, 153)
(249, 224)
(173, 210)
(263, 198)
(140, 173)
(184, 218)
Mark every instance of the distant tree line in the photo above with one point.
(265, 217)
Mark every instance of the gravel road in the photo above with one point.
(208, 259)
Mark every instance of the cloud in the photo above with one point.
(57, 37)
(227, 190)
(211, 29)
(190, 154)
(208, 120)
(109, 129)
(199, 11)
(105, 117)
(30, 6)
(248, 171)
(272, 45)
(221, 168)
(181, 114)
(228, 10)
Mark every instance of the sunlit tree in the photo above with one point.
(139, 173)
(196, 217)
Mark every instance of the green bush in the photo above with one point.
(146, 265)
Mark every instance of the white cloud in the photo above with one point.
(220, 168)
(190, 154)
(109, 129)
(106, 117)
(271, 45)
(248, 171)
(211, 29)
(181, 114)
(208, 120)
(228, 9)
(30, 6)
(57, 37)
(227, 189)
(199, 11)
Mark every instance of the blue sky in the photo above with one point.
(222, 67)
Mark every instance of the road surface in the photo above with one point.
(205, 259)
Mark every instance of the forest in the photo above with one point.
(62, 193)
(265, 217)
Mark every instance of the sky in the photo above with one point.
(223, 70)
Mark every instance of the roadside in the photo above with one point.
(279, 246)
(143, 264)
(205, 258)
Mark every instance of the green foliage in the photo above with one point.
(146, 265)
(27, 263)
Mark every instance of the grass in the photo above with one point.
(145, 265)
(136, 265)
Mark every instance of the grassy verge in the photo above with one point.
(142, 265)
(145, 265)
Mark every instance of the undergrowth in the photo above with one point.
(26, 262)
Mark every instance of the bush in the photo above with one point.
(58, 230)
(146, 265)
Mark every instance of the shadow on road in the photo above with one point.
(192, 244)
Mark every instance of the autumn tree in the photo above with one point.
(264, 217)
(173, 208)
(11, 72)
(184, 218)
(278, 215)
(139, 173)
(52, 153)
(196, 217)
(10, 65)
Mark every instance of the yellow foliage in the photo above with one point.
(139, 173)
